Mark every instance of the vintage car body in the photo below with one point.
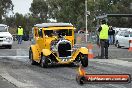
(53, 43)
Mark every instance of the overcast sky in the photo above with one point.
(21, 6)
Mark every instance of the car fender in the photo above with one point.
(35, 51)
(83, 50)
(46, 52)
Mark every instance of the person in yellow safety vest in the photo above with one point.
(20, 34)
(103, 37)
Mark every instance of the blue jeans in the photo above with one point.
(110, 39)
(19, 39)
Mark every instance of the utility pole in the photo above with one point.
(86, 19)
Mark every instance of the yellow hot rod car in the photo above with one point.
(53, 43)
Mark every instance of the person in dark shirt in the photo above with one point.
(111, 34)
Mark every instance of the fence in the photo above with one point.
(81, 38)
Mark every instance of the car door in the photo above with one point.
(125, 39)
(40, 40)
(120, 38)
(130, 37)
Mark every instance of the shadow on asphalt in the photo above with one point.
(123, 48)
(2, 47)
(59, 66)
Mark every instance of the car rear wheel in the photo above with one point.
(44, 61)
(84, 60)
(117, 44)
(10, 46)
(32, 62)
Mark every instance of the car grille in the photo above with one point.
(1, 40)
(64, 50)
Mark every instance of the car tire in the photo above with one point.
(9, 46)
(84, 60)
(118, 45)
(32, 62)
(44, 62)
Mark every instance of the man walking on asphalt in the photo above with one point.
(19, 34)
(103, 36)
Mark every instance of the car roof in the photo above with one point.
(53, 25)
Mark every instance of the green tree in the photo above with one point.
(5, 7)
(67, 11)
(39, 8)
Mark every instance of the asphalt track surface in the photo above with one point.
(16, 72)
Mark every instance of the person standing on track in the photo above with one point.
(19, 34)
(103, 37)
(111, 35)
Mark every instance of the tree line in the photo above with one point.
(72, 11)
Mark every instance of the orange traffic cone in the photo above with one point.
(130, 47)
(90, 50)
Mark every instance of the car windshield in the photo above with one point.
(3, 29)
(60, 32)
(48, 33)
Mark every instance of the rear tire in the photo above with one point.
(84, 60)
(32, 62)
(10, 46)
(118, 45)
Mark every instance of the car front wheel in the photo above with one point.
(44, 61)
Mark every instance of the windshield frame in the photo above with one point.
(58, 32)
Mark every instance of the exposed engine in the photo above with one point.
(61, 47)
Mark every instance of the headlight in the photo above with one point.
(8, 38)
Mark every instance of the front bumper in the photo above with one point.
(82, 50)
(2, 42)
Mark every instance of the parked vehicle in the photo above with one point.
(6, 38)
(122, 39)
(53, 43)
(25, 37)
